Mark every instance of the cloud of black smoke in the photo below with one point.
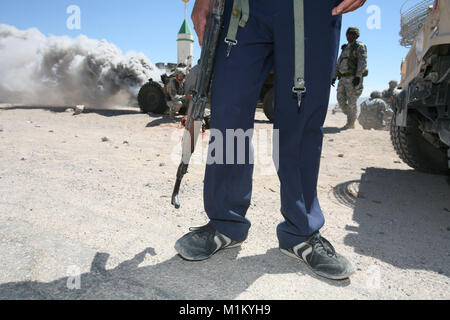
(36, 69)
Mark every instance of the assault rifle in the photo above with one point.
(200, 94)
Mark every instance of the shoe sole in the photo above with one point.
(292, 255)
(202, 259)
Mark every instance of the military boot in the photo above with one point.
(349, 125)
(172, 115)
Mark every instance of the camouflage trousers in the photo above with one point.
(347, 96)
(174, 107)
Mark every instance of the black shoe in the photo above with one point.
(202, 242)
(320, 256)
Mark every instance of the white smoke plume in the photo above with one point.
(35, 69)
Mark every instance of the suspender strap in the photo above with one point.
(299, 80)
(239, 18)
(245, 13)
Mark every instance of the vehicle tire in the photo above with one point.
(151, 98)
(415, 150)
(269, 104)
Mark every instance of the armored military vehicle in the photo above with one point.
(153, 95)
(420, 128)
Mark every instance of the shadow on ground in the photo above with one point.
(403, 218)
(62, 109)
(224, 276)
(332, 130)
(164, 119)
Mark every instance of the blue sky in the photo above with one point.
(151, 27)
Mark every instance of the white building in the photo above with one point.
(185, 45)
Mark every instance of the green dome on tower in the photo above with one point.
(185, 28)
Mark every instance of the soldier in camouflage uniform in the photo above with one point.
(175, 89)
(375, 113)
(350, 70)
(389, 94)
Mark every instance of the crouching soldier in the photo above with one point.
(175, 90)
(375, 113)
(389, 94)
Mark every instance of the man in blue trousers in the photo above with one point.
(265, 41)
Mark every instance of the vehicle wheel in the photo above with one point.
(269, 104)
(415, 150)
(151, 98)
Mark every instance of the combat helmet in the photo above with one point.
(354, 30)
(178, 72)
(375, 95)
(393, 82)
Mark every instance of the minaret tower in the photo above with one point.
(185, 41)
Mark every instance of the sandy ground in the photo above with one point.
(85, 214)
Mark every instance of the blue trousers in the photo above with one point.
(267, 43)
